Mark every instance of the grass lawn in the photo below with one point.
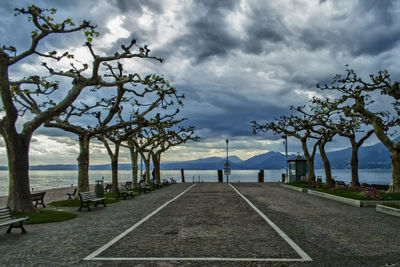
(357, 195)
(45, 216)
(343, 193)
(299, 184)
(77, 202)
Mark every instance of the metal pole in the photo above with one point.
(227, 162)
(284, 137)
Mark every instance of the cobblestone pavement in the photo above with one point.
(212, 220)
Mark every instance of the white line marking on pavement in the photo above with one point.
(116, 239)
(194, 259)
(302, 254)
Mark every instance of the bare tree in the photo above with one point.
(320, 116)
(349, 127)
(25, 95)
(358, 103)
(295, 126)
(143, 142)
(131, 94)
(116, 137)
(168, 138)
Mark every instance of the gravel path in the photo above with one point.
(212, 220)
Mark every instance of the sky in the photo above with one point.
(235, 62)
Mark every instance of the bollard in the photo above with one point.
(183, 175)
(220, 176)
(261, 176)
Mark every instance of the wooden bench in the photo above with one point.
(88, 197)
(128, 185)
(143, 187)
(70, 195)
(38, 198)
(340, 183)
(107, 189)
(6, 218)
(122, 192)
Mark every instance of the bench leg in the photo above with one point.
(18, 226)
(22, 228)
(83, 206)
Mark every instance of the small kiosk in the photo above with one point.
(297, 169)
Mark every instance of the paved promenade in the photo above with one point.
(211, 224)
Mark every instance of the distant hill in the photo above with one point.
(270, 160)
(370, 157)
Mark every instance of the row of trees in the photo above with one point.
(353, 108)
(91, 100)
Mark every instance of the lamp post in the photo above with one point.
(227, 162)
(284, 137)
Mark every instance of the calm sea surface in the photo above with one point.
(54, 179)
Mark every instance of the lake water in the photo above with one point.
(40, 180)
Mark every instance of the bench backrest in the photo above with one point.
(108, 187)
(87, 195)
(5, 214)
(122, 189)
(128, 184)
(37, 196)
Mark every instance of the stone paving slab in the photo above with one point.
(331, 233)
(210, 220)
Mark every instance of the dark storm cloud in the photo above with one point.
(229, 113)
(263, 27)
(207, 33)
(368, 28)
(138, 6)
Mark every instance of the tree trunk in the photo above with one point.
(134, 163)
(83, 163)
(395, 157)
(354, 163)
(19, 198)
(310, 160)
(156, 166)
(114, 169)
(147, 165)
(327, 165)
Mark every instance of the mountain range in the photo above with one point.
(370, 157)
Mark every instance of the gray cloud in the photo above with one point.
(235, 61)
